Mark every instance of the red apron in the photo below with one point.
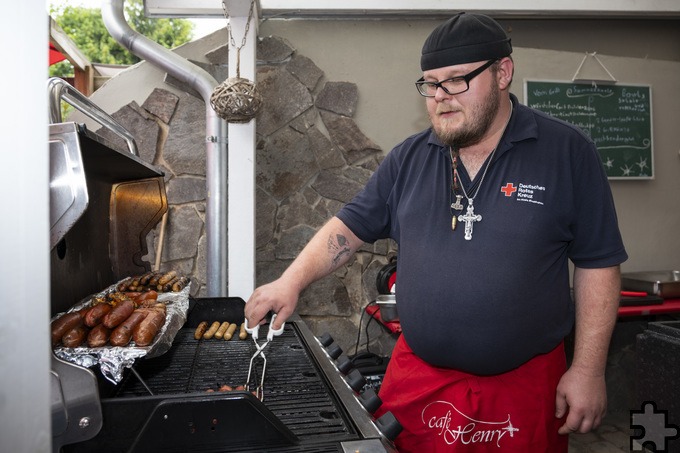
(444, 410)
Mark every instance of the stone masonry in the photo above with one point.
(311, 159)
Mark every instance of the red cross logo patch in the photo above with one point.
(508, 189)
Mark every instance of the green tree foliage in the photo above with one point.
(86, 28)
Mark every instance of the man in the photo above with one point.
(487, 206)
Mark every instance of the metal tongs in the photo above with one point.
(259, 392)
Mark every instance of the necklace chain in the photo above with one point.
(456, 176)
(454, 166)
(470, 217)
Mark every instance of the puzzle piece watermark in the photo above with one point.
(655, 429)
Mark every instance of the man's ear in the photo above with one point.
(506, 69)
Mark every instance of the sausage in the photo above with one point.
(211, 331)
(75, 337)
(146, 330)
(230, 331)
(95, 314)
(118, 297)
(180, 284)
(146, 298)
(122, 334)
(153, 281)
(200, 330)
(167, 286)
(149, 303)
(222, 330)
(98, 336)
(242, 335)
(123, 286)
(63, 324)
(167, 277)
(144, 280)
(119, 313)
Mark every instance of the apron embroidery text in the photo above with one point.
(438, 416)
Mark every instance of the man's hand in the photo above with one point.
(276, 296)
(584, 398)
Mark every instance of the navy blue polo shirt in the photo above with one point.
(487, 305)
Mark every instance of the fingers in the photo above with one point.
(256, 313)
(268, 299)
(281, 317)
(561, 405)
(561, 408)
(569, 427)
(575, 424)
(578, 422)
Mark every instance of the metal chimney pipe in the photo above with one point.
(216, 136)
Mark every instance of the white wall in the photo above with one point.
(24, 229)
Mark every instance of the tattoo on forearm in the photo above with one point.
(338, 248)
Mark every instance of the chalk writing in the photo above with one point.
(617, 118)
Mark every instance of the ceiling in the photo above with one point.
(371, 9)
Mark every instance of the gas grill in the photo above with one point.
(312, 402)
(308, 406)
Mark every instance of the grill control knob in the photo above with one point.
(334, 351)
(344, 364)
(370, 400)
(389, 425)
(326, 340)
(355, 380)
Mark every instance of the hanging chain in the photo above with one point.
(245, 34)
(236, 100)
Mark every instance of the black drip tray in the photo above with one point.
(209, 423)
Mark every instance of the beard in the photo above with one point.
(472, 131)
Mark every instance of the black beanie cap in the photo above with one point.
(465, 38)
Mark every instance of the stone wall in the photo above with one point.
(311, 159)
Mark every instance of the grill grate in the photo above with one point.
(294, 390)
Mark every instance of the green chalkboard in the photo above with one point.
(617, 117)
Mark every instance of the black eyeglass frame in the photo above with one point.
(420, 83)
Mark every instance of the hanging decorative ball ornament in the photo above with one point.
(236, 100)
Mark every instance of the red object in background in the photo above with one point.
(392, 326)
(392, 281)
(633, 294)
(668, 306)
(55, 55)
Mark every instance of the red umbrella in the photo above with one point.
(55, 55)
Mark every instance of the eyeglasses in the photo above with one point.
(454, 85)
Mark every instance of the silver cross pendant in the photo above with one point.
(469, 218)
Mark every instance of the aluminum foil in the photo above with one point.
(113, 360)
